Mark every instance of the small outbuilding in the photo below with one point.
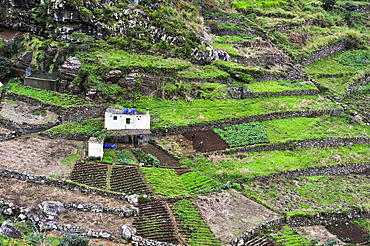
(95, 147)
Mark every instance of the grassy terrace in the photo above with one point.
(200, 72)
(84, 126)
(254, 164)
(169, 112)
(279, 86)
(46, 96)
(316, 193)
(107, 60)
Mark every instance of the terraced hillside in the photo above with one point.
(259, 112)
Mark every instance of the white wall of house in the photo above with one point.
(117, 121)
(95, 148)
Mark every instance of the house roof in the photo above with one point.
(95, 140)
(121, 111)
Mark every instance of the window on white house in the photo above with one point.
(128, 120)
(114, 117)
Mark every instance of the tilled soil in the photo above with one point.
(317, 232)
(164, 159)
(211, 141)
(344, 230)
(38, 156)
(24, 194)
(229, 214)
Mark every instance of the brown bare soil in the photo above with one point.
(165, 160)
(94, 221)
(22, 112)
(176, 145)
(229, 214)
(211, 141)
(24, 194)
(38, 156)
(349, 230)
(317, 232)
(7, 33)
(3, 130)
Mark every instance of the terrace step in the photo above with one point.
(261, 241)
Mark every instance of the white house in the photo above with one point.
(95, 147)
(117, 119)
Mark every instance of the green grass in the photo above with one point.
(283, 130)
(84, 126)
(199, 72)
(279, 86)
(249, 165)
(197, 232)
(243, 134)
(195, 182)
(234, 39)
(46, 96)
(289, 237)
(337, 127)
(110, 156)
(365, 224)
(70, 160)
(226, 47)
(309, 194)
(125, 157)
(107, 60)
(355, 58)
(169, 112)
(164, 182)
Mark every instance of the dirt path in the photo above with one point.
(229, 214)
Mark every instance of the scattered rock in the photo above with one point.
(9, 230)
(126, 231)
(52, 209)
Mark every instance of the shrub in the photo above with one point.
(5, 67)
(152, 160)
(353, 40)
(328, 4)
(74, 240)
(143, 199)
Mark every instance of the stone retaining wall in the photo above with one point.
(24, 127)
(302, 220)
(246, 119)
(9, 135)
(324, 52)
(291, 145)
(66, 114)
(68, 136)
(238, 93)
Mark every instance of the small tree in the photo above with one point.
(5, 67)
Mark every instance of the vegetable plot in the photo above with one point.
(90, 174)
(243, 134)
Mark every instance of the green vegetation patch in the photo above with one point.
(196, 231)
(243, 134)
(280, 86)
(283, 130)
(70, 160)
(80, 126)
(106, 60)
(355, 58)
(288, 237)
(253, 164)
(197, 183)
(181, 113)
(337, 127)
(125, 157)
(199, 72)
(46, 96)
(316, 193)
(164, 182)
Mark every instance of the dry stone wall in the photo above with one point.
(324, 52)
(66, 114)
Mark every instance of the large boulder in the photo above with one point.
(9, 230)
(127, 232)
(112, 77)
(52, 209)
(69, 69)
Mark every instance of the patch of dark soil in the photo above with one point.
(165, 160)
(344, 230)
(183, 171)
(8, 33)
(211, 141)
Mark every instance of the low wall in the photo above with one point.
(238, 93)
(66, 114)
(324, 52)
(246, 119)
(26, 128)
(68, 136)
(321, 218)
(291, 145)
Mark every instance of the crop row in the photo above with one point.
(90, 174)
(194, 182)
(243, 134)
(128, 180)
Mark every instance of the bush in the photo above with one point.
(152, 160)
(74, 240)
(353, 40)
(328, 4)
(143, 199)
(5, 67)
